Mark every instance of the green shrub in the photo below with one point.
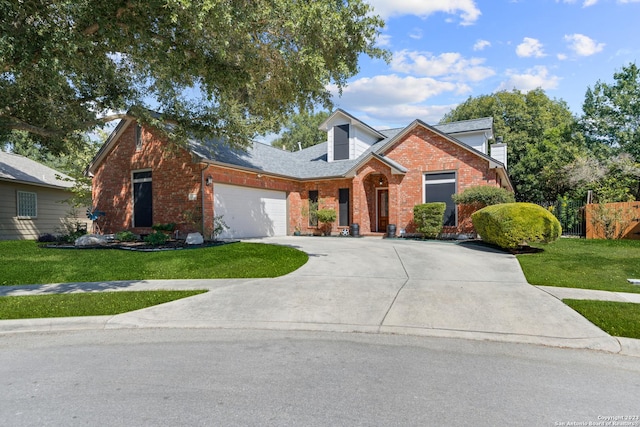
(169, 227)
(483, 195)
(428, 218)
(510, 225)
(126, 236)
(156, 238)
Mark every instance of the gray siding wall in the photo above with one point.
(51, 212)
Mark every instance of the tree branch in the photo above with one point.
(17, 124)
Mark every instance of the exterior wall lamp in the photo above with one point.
(209, 181)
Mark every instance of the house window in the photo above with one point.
(138, 137)
(27, 204)
(439, 187)
(313, 208)
(142, 199)
(341, 142)
(343, 206)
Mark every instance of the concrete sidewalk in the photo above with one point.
(370, 285)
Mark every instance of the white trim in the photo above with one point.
(441, 181)
(33, 201)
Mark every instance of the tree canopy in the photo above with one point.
(302, 128)
(612, 113)
(541, 136)
(220, 68)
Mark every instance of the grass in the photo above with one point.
(24, 262)
(589, 264)
(621, 319)
(84, 304)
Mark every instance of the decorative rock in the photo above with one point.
(194, 239)
(91, 240)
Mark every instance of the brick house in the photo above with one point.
(371, 177)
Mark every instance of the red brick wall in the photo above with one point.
(327, 199)
(174, 176)
(422, 151)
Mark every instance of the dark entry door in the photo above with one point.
(142, 199)
(383, 210)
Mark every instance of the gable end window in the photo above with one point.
(439, 187)
(27, 204)
(341, 142)
(138, 137)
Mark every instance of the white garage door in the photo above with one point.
(250, 212)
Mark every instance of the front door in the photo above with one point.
(383, 210)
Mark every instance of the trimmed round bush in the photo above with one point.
(510, 225)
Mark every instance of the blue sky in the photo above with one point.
(447, 50)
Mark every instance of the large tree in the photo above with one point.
(541, 136)
(302, 131)
(229, 69)
(612, 114)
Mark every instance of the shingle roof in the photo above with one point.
(14, 167)
(312, 162)
(485, 123)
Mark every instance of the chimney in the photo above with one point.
(499, 151)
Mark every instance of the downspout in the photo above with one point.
(202, 187)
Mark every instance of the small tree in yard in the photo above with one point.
(428, 218)
(611, 221)
(327, 217)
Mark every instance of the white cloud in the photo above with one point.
(402, 115)
(536, 77)
(561, 56)
(587, 3)
(466, 9)
(530, 47)
(449, 65)
(416, 34)
(383, 40)
(582, 45)
(388, 90)
(481, 44)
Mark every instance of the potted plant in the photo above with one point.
(327, 217)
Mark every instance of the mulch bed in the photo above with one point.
(171, 245)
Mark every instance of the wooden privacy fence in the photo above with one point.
(613, 220)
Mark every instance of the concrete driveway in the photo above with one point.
(372, 285)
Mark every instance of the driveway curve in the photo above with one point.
(372, 285)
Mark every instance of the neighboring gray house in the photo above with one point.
(32, 198)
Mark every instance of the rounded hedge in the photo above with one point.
(510, 225)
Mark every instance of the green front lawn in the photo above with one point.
(590, 264)
(621, 319)
(84, 304)
(24, 262)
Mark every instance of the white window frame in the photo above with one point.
(22, 197)
(441, 181)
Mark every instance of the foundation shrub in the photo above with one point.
(428, 218)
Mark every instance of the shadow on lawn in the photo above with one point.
(478, 245)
